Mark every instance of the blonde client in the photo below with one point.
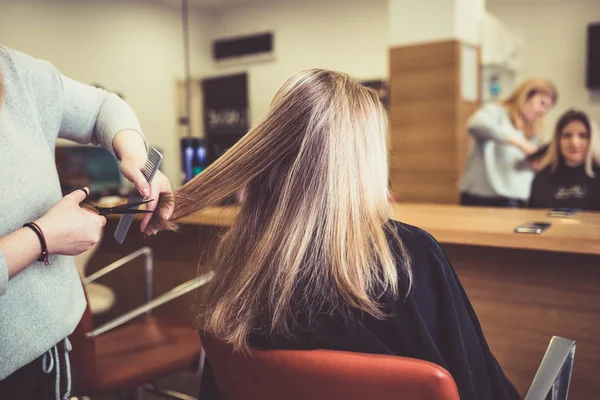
(313, 260)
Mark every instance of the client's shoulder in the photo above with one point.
(427, 259)
(544, 172)
(415, 239)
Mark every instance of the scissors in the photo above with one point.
(129, 208)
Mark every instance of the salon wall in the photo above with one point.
(133, 47)
(554, 32)
(345, 35)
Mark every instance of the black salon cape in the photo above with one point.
(568, 187)
(435, 323)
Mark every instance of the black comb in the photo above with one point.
(149, 170)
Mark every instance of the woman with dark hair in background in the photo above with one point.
(569, 177)
(497, 173)
(313, 259)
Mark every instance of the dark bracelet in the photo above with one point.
(38, 231)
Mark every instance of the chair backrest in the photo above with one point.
(324, 374)
(553, 377)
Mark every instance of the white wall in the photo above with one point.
(132, 47)
(353, 36)
(345, 35)
(135, 47)
(554, 33)
(413, 22)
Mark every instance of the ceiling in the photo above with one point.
(219, 3)
(212, 4)
(224, 4)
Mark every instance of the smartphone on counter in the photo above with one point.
(535, 228)
(563, 212)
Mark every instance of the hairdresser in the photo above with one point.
(41, 297)
(497, 173)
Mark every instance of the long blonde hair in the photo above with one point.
(515, 102)
(312, 233)
(553, 156)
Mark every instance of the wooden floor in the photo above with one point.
(522, 297)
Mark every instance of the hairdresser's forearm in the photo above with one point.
(20, 249)
(523, 144)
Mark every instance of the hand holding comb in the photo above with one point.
(153, 161)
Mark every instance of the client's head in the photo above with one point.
(325, 136)
(312, 233)
(573, 142)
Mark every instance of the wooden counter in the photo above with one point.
(524, 288)
(476, 226)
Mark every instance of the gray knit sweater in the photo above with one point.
(43, 304)
(493, 168)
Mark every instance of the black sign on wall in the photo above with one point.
(225, 112)
(593, 56)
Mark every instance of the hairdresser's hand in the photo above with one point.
(131, 148)
(528, 147)
(535, 165)
(70, 229)
(160, 185)
(131, 168)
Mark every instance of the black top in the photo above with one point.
(435, 323)
(568, 187)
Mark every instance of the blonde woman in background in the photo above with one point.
(569, 175)
(313, 259)
(497, 173)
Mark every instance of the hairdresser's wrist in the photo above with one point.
(34, 242)
(48, 229)
(513, 141)
(20, 249)
(129, 144)
(131, 150)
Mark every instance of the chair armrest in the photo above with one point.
(144, 251)
(165, 298)
(552, 379)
